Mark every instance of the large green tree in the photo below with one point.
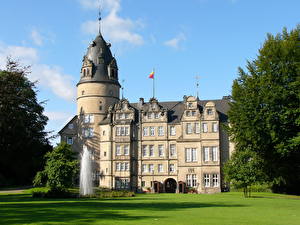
(265, 110)
(60, 170)
(23, 141)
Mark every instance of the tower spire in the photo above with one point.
(99, 18)
(197, 85)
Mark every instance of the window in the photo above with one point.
(152, 131)
(71, 126)
(193, 113)
(215, 127)
(122, 166)
(197, 128)
(215, 180)
(215, 154)
(160, 150)
(88, 132)
(104, 153)
(206, 154)
(151, 150)
(206, 180)
(126, 116)
(118, 166)
(88, 118)
(127, 166)
(189, 129)
(160, 168)
(144, 147)
(204, 127)
(126, 131)
(160, 131)
(122, 183)
(122, 131)
(145, 131)
(172, 131)
(126, 150)
(151, 168)
(103, 133)
(190, 105)
(191, 155)
(144, 168)
(143, 183)
(118, 150)
(157, 115)
(150, 115)
(122, 116)
(172, 150)
(69, 140)
(191, 180)
(209, 111)
(172, 168)
(188, 113)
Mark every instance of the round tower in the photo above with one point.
(98, 87)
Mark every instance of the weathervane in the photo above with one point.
(197, 85)
(122, 88)
(99, 18)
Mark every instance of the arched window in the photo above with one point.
(87, 72)
(84, 72)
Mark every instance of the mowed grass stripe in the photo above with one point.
(165, 209)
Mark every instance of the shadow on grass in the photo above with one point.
(22, 209)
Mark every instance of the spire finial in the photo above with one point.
(197, 85)
(99, 18)
(122, 88)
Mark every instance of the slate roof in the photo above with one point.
(99, 49)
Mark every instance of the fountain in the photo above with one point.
(86, 182)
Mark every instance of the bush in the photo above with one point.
(106, 193)
(44, 192)
(254, 188)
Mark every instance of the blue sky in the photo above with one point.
(180, 39)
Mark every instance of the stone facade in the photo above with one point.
(150, 146)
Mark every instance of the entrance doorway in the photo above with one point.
(182, 187)
(157, 187)
(170, 185)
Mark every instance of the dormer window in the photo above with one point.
(190, 105)
(150, 115)
(84, 72)
(157, 115)
(188, 113)
(209, 111)
(193, 113)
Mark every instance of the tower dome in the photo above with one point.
(98, 64)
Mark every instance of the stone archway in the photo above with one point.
(170, 185)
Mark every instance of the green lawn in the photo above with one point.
(186, 209)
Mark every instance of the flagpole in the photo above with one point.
(153, 84)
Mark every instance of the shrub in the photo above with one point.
(44, 192)
(106, 193)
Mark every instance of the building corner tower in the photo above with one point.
(97, 90)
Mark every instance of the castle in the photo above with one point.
(175, 146)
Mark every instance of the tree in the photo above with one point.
(243, 170)
(60, 170)
(23, 141)
(265, 114)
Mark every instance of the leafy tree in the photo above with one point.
(23, 141)
(244, 170)
(265, 112)
(60, 169)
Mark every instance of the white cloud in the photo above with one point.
(58, 115)
(115, 28)
(49, 77)
(36, 37)
(25, 55)
(176, 41)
